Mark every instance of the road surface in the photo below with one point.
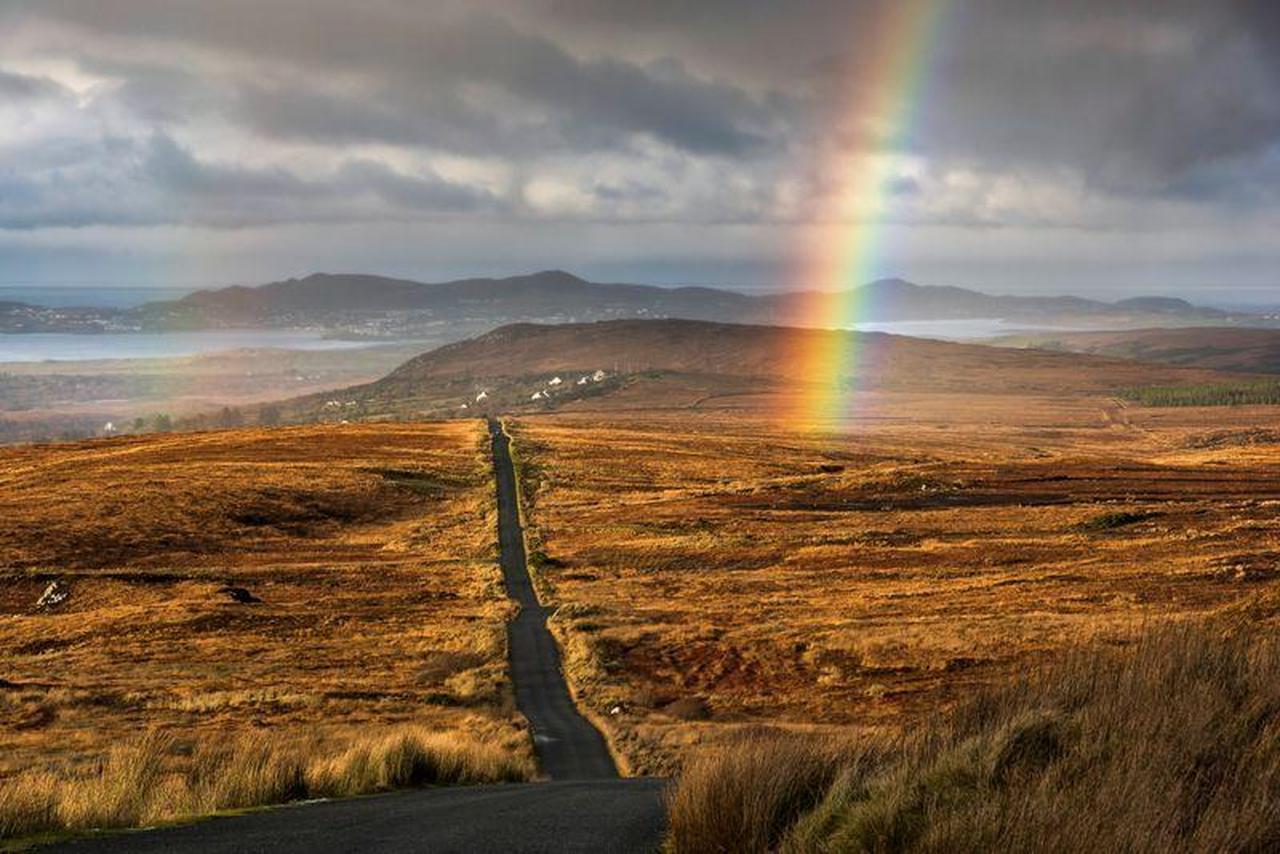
(605, 816)
(584, 808)
(568, 746)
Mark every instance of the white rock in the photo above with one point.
(55, 594)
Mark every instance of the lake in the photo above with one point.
(965, 329)
(61, 346)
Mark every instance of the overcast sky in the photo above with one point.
(1096, 146)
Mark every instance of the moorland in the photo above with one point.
(270, 602)
(717, 572)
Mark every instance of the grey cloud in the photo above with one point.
(1138, 96)
(426, 119)
(156, 181)
(404, 49)
(360, 189)
(22, 87)
(175, 170)
(627, 191)
(1134, 95)
(426, 192)
(1103, 114)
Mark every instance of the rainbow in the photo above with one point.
(844, 247)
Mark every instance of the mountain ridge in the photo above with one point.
(884, 299)
(367, 305)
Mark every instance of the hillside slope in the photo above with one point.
(512, 364)
(687, 346)
(1216, 347)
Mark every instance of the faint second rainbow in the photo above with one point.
(885, 96)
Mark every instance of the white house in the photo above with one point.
(537, 395)
(484, 395)
(554, 381)
(582, 381)
(598, 376)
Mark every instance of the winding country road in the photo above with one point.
(568, 746)
(585, 807)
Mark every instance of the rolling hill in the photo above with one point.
(598, 360)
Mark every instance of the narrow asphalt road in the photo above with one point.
(584, 808)
(606, 816)
(568, 746)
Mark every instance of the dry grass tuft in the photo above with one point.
(1170, 746)
(414, 757)
(742, 798)
(148, 781)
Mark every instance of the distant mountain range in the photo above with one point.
(351, 305)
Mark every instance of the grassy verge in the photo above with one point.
(150, 781)
(1173, 745)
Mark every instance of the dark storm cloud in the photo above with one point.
(1117, 116)
(430, 119)
(416, 59)
(158, 181)
(1136, 96)
(427, 192)
(175, 170)
(22, 87)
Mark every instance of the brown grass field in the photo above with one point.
(714, 570)
(371, 549)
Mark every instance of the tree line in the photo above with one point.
(1243, 393)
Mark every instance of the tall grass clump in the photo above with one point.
(150, 780)
(1170, 746)
(410, 758)
(740, 799)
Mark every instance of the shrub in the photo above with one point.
(1114, 519)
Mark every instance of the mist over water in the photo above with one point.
(57, 346)
(109, 296)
